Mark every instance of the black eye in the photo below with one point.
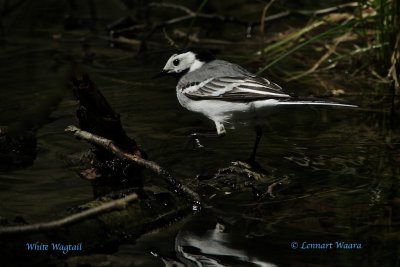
(176, 62)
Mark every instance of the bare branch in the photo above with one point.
(151, 165)
(92, 212)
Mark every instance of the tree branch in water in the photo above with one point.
(89, 213)
(151, 165)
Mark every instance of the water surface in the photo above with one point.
(343, 173)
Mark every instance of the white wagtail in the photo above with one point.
(225, 92)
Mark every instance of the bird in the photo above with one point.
(216, 248)
(226, 93)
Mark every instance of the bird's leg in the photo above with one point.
(258, 138)
(220, 128)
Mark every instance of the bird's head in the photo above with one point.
(180, 64)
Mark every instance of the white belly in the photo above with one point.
(227, 112)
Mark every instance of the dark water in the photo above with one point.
(344, 173)
(341, 163)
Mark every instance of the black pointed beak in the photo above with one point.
(161, 74)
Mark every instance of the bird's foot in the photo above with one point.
(194, 143)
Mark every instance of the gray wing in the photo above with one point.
(241, 89)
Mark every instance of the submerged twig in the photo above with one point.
(271, 187)
(151, 165)
(80, 216)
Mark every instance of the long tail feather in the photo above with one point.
(316, 103)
